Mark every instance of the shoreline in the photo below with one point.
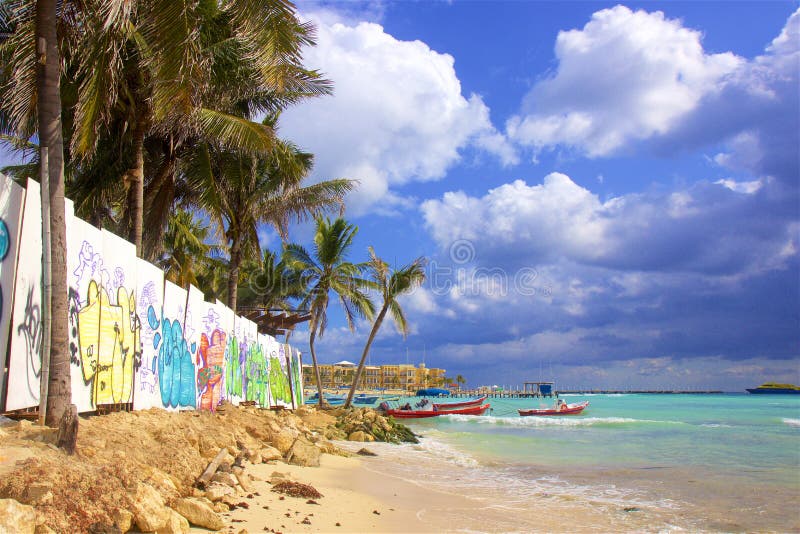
(355, 488)
(353, 500)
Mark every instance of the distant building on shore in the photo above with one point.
(402, 376)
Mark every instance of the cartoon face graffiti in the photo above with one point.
(109, 344)
(210, 364)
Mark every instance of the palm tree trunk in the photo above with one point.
(233, 274)
(159, 197)
(49, 110)
(375, 327)
(311, 338)
(136, 191)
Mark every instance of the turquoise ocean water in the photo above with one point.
(726, 462)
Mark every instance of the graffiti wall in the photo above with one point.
(296, 369)
(149, 300)
(278, 376)
(25, 362)
(12, 200)
(134, 338)
(176, 372)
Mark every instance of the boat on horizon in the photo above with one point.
(567, 409)
(771, 388)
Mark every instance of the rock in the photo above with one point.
(217, 491)
(198, 513)
(17, 517)
(303, 453)
(254, 457)
(103, 528)
(38, 493)
(236, 470)
(270, 453)
(224, 478)
(358, 435)
(365, 452)
(176, 524)
(123, 519)
(231, 501)
(283, 440)
(148, 510)
(163, 482)
(244, 483)
(221, 507)
(43, 529)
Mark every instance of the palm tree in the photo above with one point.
(180, 73)
(241, 192)
(30, 103)
(48, 83)
(186, 249)
(270, 284)
(460, 380)
(329, 271)
(391, 284)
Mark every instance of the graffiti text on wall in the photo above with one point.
(175, 368)
(31, 331)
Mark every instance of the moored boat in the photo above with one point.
(566, 409)
(333, 400)
(457, 405)
(365, 399)
(771, 388)
(432, 392)
(416, 414)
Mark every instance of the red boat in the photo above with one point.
(567, 409)
(415, 414)
(457, 405)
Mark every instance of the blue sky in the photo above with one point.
(608, 193)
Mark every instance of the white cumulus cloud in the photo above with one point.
(626, 76)
(398, 113)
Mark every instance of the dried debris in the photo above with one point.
(296, 489)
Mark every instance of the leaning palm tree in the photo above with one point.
(391, 284)
(328, 270)
(242, 192)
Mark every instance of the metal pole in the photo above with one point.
(47, 288)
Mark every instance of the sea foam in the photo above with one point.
(554, 421)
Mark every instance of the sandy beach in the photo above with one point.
(354, 500)
(358, 496)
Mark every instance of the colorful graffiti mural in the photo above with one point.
(210, 369)
(278, 378)
(175, 365)
(109, 344)
(296, 368)
(133, 337)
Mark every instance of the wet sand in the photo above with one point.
(359, 495)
